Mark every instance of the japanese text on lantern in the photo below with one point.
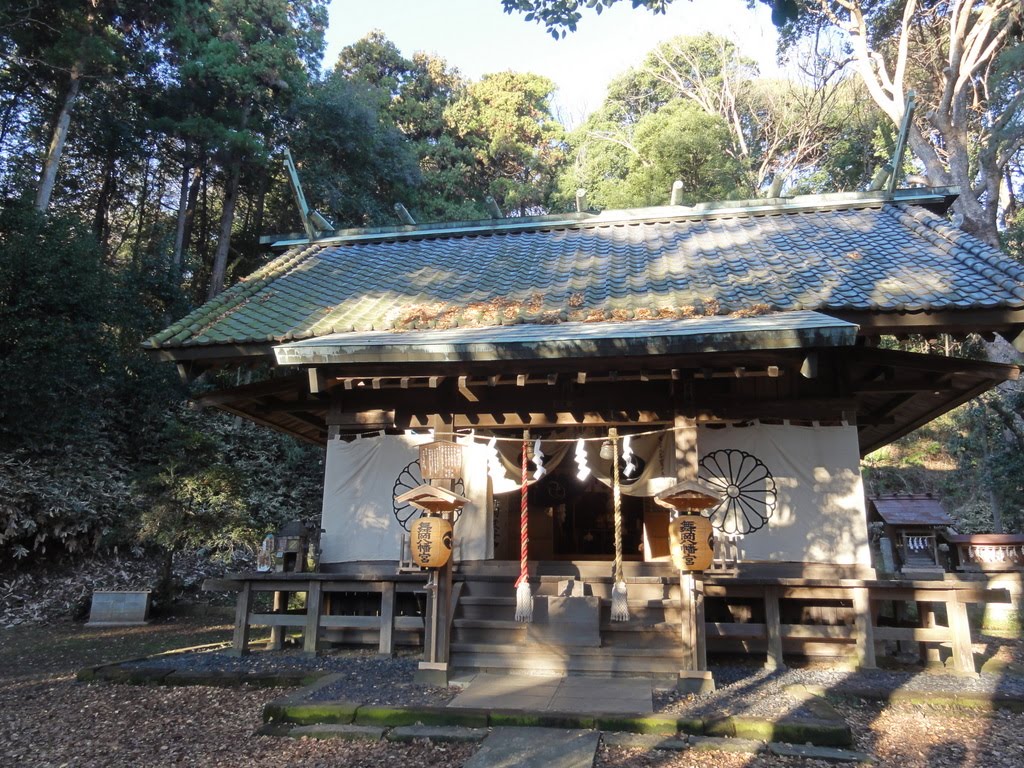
(424, 544)
(688, 535)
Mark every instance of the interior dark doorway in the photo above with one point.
(569, 519)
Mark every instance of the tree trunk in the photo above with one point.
(227, 217)
(59, 136)
(143, 199)
(100, 223)
(187, 195)
(164, 587)
(997, 515)
(261, 200)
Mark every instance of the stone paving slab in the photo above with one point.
(333, 731)
(645, 741)
(438, 733)
(536, 748)
(718, 744)
(558, 694)
(828, 754)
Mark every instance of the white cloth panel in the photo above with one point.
(358, 519)
(819, 517)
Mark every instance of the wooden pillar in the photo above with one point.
(773, 627)
(311, 633)
(686, 447)
(387, 619)
(929, 653)
(694, 631)
(688, 623)
(433, 670)
(865, 628)
(699, 625)
(243, 606)
(277, 633)
(960, 633)
(694, 677)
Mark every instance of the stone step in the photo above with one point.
(537, 748)
(565, 568)
(534, 659)
(657, 611)
(646, 588)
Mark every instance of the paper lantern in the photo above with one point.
(690, 542)
(431, 542)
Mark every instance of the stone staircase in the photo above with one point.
(486, 637)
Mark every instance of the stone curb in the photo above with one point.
(91, 672)
(722, 744)
(939, 699)
(334, 731)
(294, 708)
(453, 734)
(644, 741)
(827, 754)
(118, 672)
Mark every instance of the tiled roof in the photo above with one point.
(919, 509)
(874, 257)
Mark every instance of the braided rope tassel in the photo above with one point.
(524, 600)
(620, 608)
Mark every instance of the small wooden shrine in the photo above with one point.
(913, 528)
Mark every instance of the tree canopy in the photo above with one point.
(559, 16)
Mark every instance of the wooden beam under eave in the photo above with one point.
(958, 323)
(526, 420)
(363, 421)
(465, 391)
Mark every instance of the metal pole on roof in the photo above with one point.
(901, 141)
(677, 192)
(492, 206)
(300, 197)
(880, 177)
(404, 214)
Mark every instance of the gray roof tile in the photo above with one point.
(886, 257)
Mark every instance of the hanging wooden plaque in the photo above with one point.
(691, 542)
(441, 460)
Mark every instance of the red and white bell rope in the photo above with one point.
(620, 607)
(524, 599)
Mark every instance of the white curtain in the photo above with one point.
(359, 488)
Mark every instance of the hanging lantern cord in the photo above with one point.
(524, 600)
(620, 608)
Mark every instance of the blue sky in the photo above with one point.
(476, 37)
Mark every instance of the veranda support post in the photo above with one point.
(433, 670)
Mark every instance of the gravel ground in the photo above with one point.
(742, 689)
(50, 720)
(753, 691)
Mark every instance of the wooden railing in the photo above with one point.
(864, 596)
(313, 619)
(989, 551)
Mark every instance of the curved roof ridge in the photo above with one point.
(992, 256)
